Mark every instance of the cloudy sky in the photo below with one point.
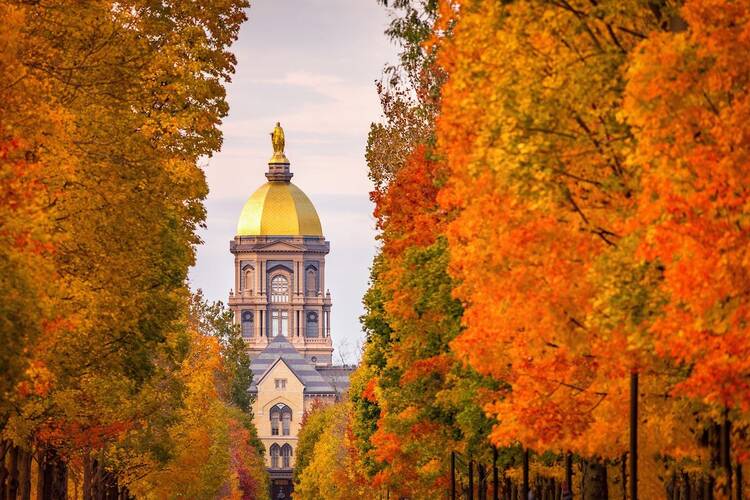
(310, 64)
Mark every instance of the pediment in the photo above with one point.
(279, 246)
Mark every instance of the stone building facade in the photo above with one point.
(284, 311)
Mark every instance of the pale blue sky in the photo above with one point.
(310, 64)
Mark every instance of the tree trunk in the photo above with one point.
(726, 447)
(87, 476)
(3, 470)
(738, 482)
(98, 480)
(525, 488)
(508, 490)
(24, 474)
(594, 481)
(12, 491)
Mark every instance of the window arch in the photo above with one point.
(275, 452)
(286, 456)
(279, 288)
(247, 324)
(281, 419)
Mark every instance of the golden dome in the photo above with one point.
(279, 209)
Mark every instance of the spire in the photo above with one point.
(278, 165)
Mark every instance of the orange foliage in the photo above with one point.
(689, 104)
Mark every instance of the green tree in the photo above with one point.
(213, 319)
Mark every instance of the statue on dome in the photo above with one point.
(277, 139)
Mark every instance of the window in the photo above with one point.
(247, 278)
(280, 383)
(311, 285)
(279, 323)
(286, 456)
(279, 289)
(275, 456)
(281, 413)
(311, 327)
(275, 417)
(247, 324)
(286, 420)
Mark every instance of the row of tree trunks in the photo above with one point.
(52, 482)
(52, 478)
(15, 473)
(690, 487)
(543, 488)
(99, 484)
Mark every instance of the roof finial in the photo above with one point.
(278, 142)
(278, 165)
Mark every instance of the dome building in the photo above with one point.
(284, 312)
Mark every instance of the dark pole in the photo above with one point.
(471, 479)
(525, 489)
(495, 478)
(453, 475)
(634, 435)
(569, 470)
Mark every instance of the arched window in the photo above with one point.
(247, 324)
(311, 282)
(279, 289)
(247, 278)
(280, 414)
(286, 456)
(311, 327)
(275, 456)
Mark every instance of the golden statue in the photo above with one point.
(277, 138)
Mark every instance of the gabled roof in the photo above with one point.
(270, 369)
(280, 349)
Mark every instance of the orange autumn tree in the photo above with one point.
(688, 103)
(411, 403)
(107, 107)
(556, 306)
(215, 452)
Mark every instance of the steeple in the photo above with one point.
(278, 165)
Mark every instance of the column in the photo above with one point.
(300, 279)
(262, 276)
(237, 278)
(256, 285)
(322, 277)
(321, 316)
(256, 323)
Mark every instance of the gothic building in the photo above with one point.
(284, 310)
